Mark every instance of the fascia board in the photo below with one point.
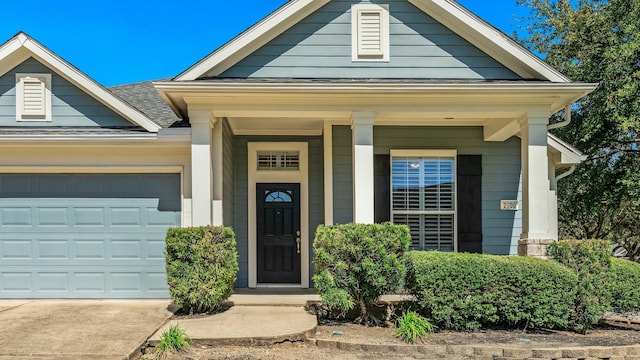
(252, 39)
(579, 89)
(79, 79)
(490, 40)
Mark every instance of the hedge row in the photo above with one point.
(469, 291)
(625, 285)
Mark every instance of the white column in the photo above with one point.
(363, 190)
(553, 201)
(328, 172)
(536, 232)
(218, 172)
(201, 122)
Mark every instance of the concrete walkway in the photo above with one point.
(72, 329)
(248, 325)
(263, 316)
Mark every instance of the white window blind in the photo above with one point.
(278, 160)
(423, 198)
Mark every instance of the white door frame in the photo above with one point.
(300, 176)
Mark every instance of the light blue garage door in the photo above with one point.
(85, 235)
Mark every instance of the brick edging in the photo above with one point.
(629, 352)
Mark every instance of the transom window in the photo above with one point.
(278, 196)
(424, 197)
(278, 160)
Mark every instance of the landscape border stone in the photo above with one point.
(628, 352)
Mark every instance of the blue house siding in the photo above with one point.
(320, 47)
(70, 106)
(241, 179)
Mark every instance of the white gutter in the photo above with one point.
(566, 173)
(567, 119)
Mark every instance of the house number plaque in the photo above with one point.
(509, 205)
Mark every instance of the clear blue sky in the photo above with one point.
(123, 41)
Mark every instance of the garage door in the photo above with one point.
(85, 235)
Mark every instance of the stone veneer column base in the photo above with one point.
(534, 247)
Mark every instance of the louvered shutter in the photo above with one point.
(470, 203)
(370, 33)
(33, 97)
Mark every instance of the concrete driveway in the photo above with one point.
(71, 329)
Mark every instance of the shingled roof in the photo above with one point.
(144, 97)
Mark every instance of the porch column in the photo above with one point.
(218, 171)
(201, 171)
(363, 189)
(536, 232)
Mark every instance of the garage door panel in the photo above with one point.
(85, 235)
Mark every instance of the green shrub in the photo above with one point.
(202, 264)
(173, 339)
(355, 264)
(625, 285)
(590, 260)
(470, 291)
(412, 327)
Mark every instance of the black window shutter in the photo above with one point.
(382, 188)
(470, 203)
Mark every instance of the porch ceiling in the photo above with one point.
(292, 108)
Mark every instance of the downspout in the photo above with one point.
(567, 119)
(566, 173)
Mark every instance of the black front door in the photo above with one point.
(279, 240)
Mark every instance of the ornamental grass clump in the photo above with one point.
(412, 327)
(356, 264)
(173, 339)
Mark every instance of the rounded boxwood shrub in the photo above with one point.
(625, 285)
(470, 291)
(202, 264)
(355, 264)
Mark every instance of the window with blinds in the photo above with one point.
(370, 32)
(278, 160)
(423, 196)
(33, 97)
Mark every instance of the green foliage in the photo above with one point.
(355, 264)
(412, 327)
(625, 285)
(172, 340)
(590, 260)
(202, 264)
(470, 291)
(596, 41)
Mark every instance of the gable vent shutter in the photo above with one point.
(33, 95)
(370, 37)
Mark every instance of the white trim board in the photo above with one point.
(256, 176)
